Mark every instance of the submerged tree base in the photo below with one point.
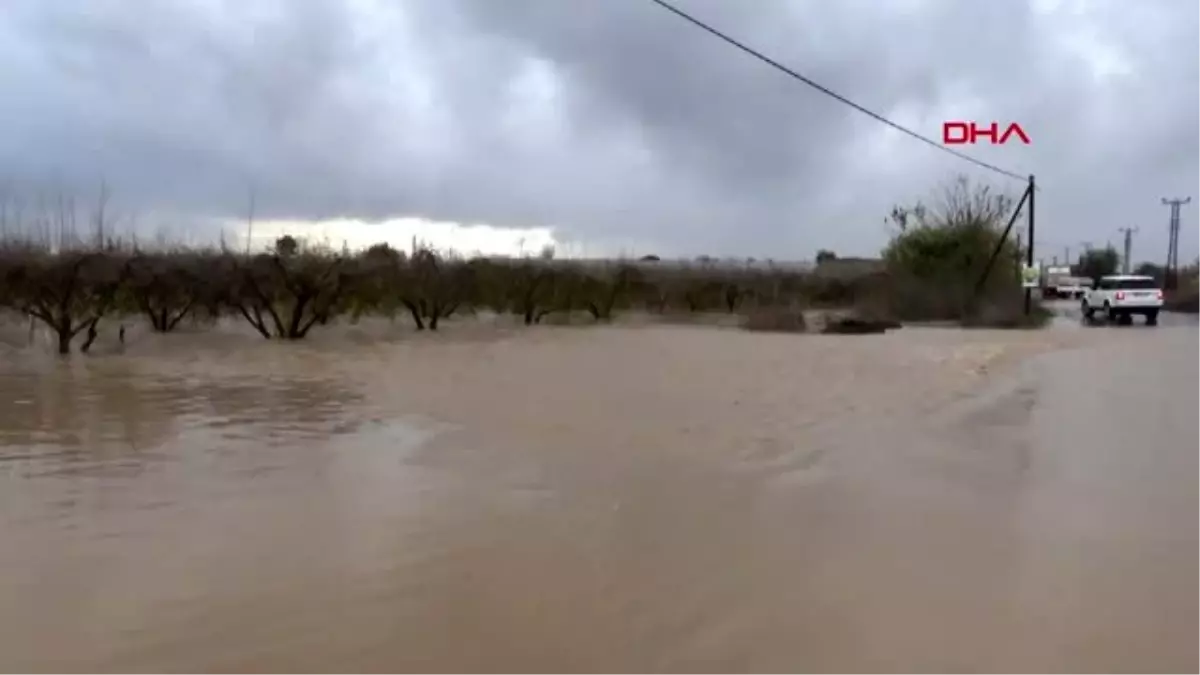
(854, 325)
(775, 320)
(1008, 317)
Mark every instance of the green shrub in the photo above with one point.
(938, 260)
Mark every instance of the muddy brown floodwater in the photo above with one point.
(604, 499)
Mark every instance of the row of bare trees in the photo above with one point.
(285, 293)
(931, 269)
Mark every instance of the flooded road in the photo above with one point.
(608, 499)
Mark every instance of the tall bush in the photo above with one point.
(939, 254)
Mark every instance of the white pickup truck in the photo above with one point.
(1071, 287)
(1118, 297)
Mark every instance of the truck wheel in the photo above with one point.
(1088, 312)
(1110, 313)
(1152, 319)
(1124, 319)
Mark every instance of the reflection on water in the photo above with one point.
(626, 499)
(122, 409)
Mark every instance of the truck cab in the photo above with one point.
(1119, 297)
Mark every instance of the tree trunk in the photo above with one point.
(255, 320)
(293, 329)
(731, 299)
(416, 315)
(64, 340)
(92, 334)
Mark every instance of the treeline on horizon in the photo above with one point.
(1098, 262)
(932, 269)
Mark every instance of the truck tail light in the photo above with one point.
(1120, 295)
(1160, 295)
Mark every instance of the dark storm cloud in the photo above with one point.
(611, 120)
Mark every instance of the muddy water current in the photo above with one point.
(645, 499)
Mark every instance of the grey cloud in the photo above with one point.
(652, 133)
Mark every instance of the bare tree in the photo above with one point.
(285, 295)
(69, 292)
(959, 203)
(167, 288)
(531, 290)
(602, 293)
(434, 288)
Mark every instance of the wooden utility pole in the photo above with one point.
(1127, 256)
(1029, 253)
(1171, 271)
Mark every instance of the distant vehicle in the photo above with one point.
(1072, 291)
(1073, 288)
(1119, 297)
(1058, 282)
(1067, 287)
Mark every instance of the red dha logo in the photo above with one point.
(959, 133)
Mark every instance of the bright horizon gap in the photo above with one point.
(468, 240)
(399, 233)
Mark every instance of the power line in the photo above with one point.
(828, 92)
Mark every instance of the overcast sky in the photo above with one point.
(611, 121)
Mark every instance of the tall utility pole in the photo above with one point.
(250, 218)
(1171, 271)
(1127, 257)
(1029, 254)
